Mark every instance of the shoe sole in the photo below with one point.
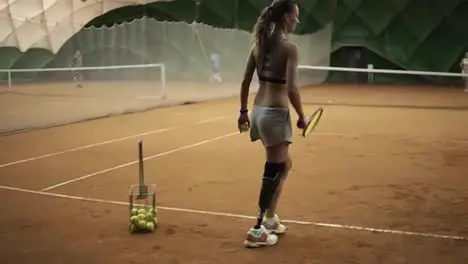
(257, 244)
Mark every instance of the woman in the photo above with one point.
(276, 59)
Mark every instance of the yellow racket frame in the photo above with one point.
(312, 122)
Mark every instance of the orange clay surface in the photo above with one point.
(391, 168)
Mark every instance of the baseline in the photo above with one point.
(232, 215)
(357, 136)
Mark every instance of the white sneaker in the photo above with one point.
(260, 237)
(274, 226)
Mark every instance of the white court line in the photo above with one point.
(358, 136)
(112, 141)
(333, 135)
(201, 212)
(203, 122)
(136, 161)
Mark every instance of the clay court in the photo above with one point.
(381, 180)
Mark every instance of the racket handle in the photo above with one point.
(300, 124)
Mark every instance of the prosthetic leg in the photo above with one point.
(258, 235)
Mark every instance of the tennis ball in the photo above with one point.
(134, 211)
(244, 127)
(142, 224)
(151, 210)
(150, 226)
(155, 221)
(141, 211)
(149, 217)
(141, 217)
(133, 219)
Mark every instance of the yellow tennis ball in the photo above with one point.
(142, 224)
(244, 127)
(141, 217)
(141, 211)
(134, 219)
(150, 226)
(152, 210)
(149, 217)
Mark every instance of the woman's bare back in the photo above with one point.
(271, 72)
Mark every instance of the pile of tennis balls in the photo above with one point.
(143, 219)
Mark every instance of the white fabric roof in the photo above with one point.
(49, 24)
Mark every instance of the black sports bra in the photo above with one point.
(272, 80)
(266, 67)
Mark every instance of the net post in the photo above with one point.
(9, 80)
(370, 74)
(163, 80)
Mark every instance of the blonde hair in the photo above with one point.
(268, 21)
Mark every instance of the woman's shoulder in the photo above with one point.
(289, 42)
(289, 45)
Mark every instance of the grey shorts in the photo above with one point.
(272, 125)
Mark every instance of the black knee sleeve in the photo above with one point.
(271, 178)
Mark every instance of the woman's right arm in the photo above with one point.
(291, 75)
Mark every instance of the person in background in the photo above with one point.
(215, 68)
(464, 68)
(77, 63)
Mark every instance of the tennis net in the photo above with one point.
(35, 98)
(165, 63)
(373, 87)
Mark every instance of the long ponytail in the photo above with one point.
(262, 33)
(267, 21)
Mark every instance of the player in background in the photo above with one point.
(215, 68)
(464, 68)
(77, 63)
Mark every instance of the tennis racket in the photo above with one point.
(312, 121)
